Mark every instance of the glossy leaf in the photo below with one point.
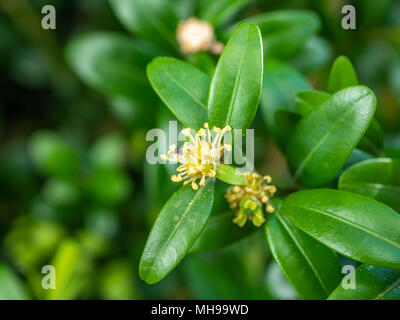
(342, 75)
(236, 86)
(284, 32)
(219, 12)
(372, 283)
(176, 229)
(230, 175)
(325, 138)
(312, 268)
(182, 87)
(153, 20)
(220, 232)
(375, 178)
(281, 83)
(358, 227)
(308, 100)
(113, 64)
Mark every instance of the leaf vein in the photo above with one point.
(353, 224)
(303, 252)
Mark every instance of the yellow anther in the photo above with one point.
(194, 185)
(176, 178)
(270, 208)
(268, 179)
(264, 199)
(198, 157)
(236, 189)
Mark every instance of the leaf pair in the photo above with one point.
(233, 99)
(233, 95)
(324, 139)
(311, 268)
(355, 226)
(332, 126)
(358, 227)
(342, 76)
(319, 144)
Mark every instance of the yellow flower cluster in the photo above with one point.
(249, 199)
(199, 155)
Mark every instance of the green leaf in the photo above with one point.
(372, 283)
(277, 284)
(113, 64)
(153, 20)
(220, 231)
(284, 32)
(312, 268)
(72, 271)
(11, 286)
(219, 12)
(308, 100)
(358, 227)
(176, 229)
(230, 175)
(281, 83)
(375, 178)
(182, 87)
(372, 141)
(236, 86)
(342, 75)
(325, 138)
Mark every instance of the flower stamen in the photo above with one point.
(198, 156)
(248, 200)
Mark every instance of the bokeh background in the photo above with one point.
(75, 189)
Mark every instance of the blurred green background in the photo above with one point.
(75, 189)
